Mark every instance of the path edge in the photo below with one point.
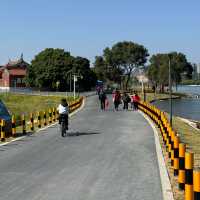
(164, 177)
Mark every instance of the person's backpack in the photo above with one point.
(128, 99)
(102, 96)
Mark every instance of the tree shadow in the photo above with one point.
(77, 133)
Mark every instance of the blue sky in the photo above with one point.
(86, 27)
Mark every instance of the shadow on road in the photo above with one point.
(82, 133)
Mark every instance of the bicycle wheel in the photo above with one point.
(63, 129)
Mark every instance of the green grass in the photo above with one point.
(25, 104)
(152, 96)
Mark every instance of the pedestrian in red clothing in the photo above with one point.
(136, 99)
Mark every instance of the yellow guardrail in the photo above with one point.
(182, 161)
(38, 119)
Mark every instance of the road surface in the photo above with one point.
(108, 156)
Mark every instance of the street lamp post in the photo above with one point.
(143, 79)
(75, 79)
(170, 92)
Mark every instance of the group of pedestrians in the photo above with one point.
(119, 99)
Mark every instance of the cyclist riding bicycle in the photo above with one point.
(63, 110)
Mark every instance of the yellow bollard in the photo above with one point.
(169, 145)
(189, 163)
(196, 179)
(50, 116)
(45, 118)
(3, 135)
(23, 124)
(176, 155)
(39, 120)
(32, 122)
(13, 126)
(54, 115)
(172, 146)
(181, 172)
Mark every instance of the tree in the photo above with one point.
(100, 68)
(48, 67)
(82, 68)
(53, 66)
(158, 70)
(124, 58)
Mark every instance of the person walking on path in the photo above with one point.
(126, 99)
(136, 99)
(102, 98)
(132, 101)
(117, 99)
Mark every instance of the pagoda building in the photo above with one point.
(13, 73)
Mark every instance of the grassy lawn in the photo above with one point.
(152, 96)
(25, 104)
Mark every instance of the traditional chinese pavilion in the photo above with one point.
(12, 74)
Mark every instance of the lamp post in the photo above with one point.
(143, 79)
(75, 80)
(170, 92)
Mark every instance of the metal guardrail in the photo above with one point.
(29, 123)
(182, 161)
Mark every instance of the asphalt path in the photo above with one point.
(108, 156)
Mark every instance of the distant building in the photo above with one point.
(12, 74)
(196, 71)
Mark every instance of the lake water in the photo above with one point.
(189, 89)
(186, 107)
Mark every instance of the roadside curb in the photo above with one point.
(164, 177)
(46, 127)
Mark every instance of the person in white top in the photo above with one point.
(63, 110)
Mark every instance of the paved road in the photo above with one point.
(112, 158)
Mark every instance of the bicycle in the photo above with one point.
(63, 127)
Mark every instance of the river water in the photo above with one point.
(186, 107)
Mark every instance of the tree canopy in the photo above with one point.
(52, 67)
(122, 59)
(158, 70)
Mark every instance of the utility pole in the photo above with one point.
(170, 92)
(70, 83)
(75, 78)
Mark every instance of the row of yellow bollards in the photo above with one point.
(39, 119)
(181, 161)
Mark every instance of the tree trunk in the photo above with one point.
(127, 81)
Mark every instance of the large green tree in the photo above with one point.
(86, 77)
(52, 68)
(49, 67)
(124, 57)
(158, 70)
(100, 68)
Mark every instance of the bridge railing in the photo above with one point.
(181, 161)
(33, 122)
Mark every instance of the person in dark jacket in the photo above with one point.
(126, 100)
(117, 99)
(102, 98)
